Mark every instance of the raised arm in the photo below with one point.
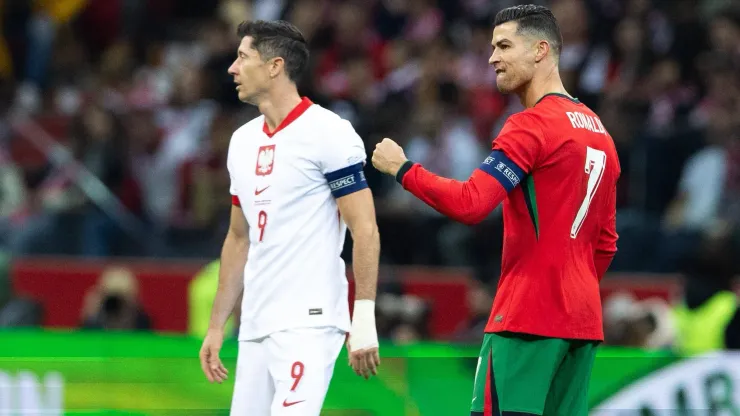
(469, 202)
(514, 155)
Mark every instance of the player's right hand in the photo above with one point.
(210, 362)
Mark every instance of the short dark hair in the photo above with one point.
(278, 38)
(533, 19)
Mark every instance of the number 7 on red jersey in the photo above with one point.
(595, 164)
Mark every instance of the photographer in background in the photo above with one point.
(113, 304)
(646, 323)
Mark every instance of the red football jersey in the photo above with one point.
(559, 224)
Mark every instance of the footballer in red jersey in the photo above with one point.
(555, 169)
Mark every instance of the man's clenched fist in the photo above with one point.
(388, 157)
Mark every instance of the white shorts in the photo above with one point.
(286, 373)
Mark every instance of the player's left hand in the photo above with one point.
(362, 342)
(388, 157)
(364, 362)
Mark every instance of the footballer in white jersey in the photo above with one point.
(297, 184)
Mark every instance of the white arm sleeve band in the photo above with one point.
(363, 334)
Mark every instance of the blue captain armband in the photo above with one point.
(346, 180)
(503, 170)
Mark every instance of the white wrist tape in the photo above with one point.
(363, 334)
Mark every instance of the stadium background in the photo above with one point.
(115, 116)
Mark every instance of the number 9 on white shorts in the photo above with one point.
(286, 373)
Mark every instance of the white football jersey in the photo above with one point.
(286, 184)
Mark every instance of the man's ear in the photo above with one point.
(276, 65)
(543, 48)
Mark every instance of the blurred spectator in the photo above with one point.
(708, 318)
(443, 139)
(704, 177)
(202, 206)
(219, 44)
(480, 302)
(629, 60)
(42, 25)
(98, 144)
(352, 35)
(576, 51)
(33, 202)
(113, 303)
(696, 207)
(424, 22)
(205, 180)
(477, 81)
(12, 198)
(310, 18)
(15, 311)
(724, 28)
(403, 319)
(201, 294)
(163, 141)
(668, 98)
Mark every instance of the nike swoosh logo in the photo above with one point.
(286, 403)
(258, 191)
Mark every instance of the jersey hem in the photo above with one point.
(522, 410)
(578, 337)
(265, 334)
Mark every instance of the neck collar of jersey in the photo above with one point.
(557, 94)
(291, 117)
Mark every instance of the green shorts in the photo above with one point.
(531, 374)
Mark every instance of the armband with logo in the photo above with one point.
(503, 170)
(347, 180)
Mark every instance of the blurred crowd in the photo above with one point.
(115, 118)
